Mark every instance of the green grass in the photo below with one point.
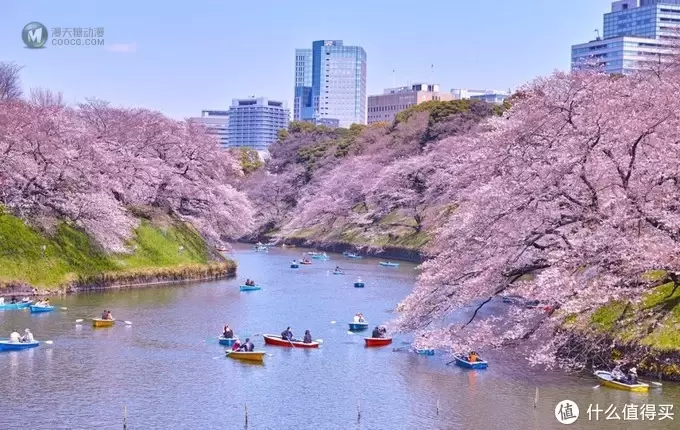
(653, 322)
(70, 254)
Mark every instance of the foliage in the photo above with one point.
(576, 184)
(249, 158)
(88, 165)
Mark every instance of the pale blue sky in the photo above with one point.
(198, 55)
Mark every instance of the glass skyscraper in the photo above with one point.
(330, 84)
(637, 33)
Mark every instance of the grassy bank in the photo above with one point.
(29, 256)
(646, 332)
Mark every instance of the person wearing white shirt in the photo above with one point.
(14, 337)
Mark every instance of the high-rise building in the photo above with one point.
(255, 122)
(384, 107)
(330, 84)
(637, 34)
(216, 123)
(489, 96)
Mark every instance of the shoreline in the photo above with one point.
(132, 280)
(389, 252)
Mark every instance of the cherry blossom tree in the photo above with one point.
(576, 185)
(90, 165)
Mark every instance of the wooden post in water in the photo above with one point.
(124, 417)
(246, 410)
(358, 410)
(536, 398)
(437, 406)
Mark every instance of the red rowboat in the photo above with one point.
(378, 341)
(271, 339)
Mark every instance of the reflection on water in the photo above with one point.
(170, 372)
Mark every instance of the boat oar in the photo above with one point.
(78, 321)
(48, 342)
(653, 384)
(318, 340)
(64, 308)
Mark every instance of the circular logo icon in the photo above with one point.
(34, 35)
(566, 412)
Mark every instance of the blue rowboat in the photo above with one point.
(36, 309)
(14, 306)
(388, 264)
(337, 273)
(6, 345)
(462, 362)
(352, 255)
(424, 351)
(319, 256)
(358, 326)
(249, 288)
(226, 342)
(294, 266)
(358, 285)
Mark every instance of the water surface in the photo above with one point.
(170, 373)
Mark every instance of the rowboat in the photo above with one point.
(388, 264)
(335, 272)
(261, 249)
(257, 356)
(424, 351)
(294, 266)
(358, 285)
(98, 322)
(14, 306)
(35, 308)
(377, 341)
(226, 342)
(6, 345)
(358, 326)
(607, 380)
(319, 256)
(351, 255)
(305, 262)
(249, 288)
(463, 362)
(271, 339)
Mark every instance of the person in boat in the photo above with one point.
(287, 334)
(247, 282)
(308, 337)
(108, 315)
(377, 333)
(15, 337)
(383, 331)
(361, 317)
(247, 346)
(14, 300)
(357, 318)
(227, 332)
(27, 337)
(473, 357)
(236, 346)
(46, 302)
(2, 300)
(618, 375)
(632, 376)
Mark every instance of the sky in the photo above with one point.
(183, 57)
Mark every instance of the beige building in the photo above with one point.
(386, 106)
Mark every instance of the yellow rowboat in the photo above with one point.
(247, 356)
(98, 322)
(607, 380)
